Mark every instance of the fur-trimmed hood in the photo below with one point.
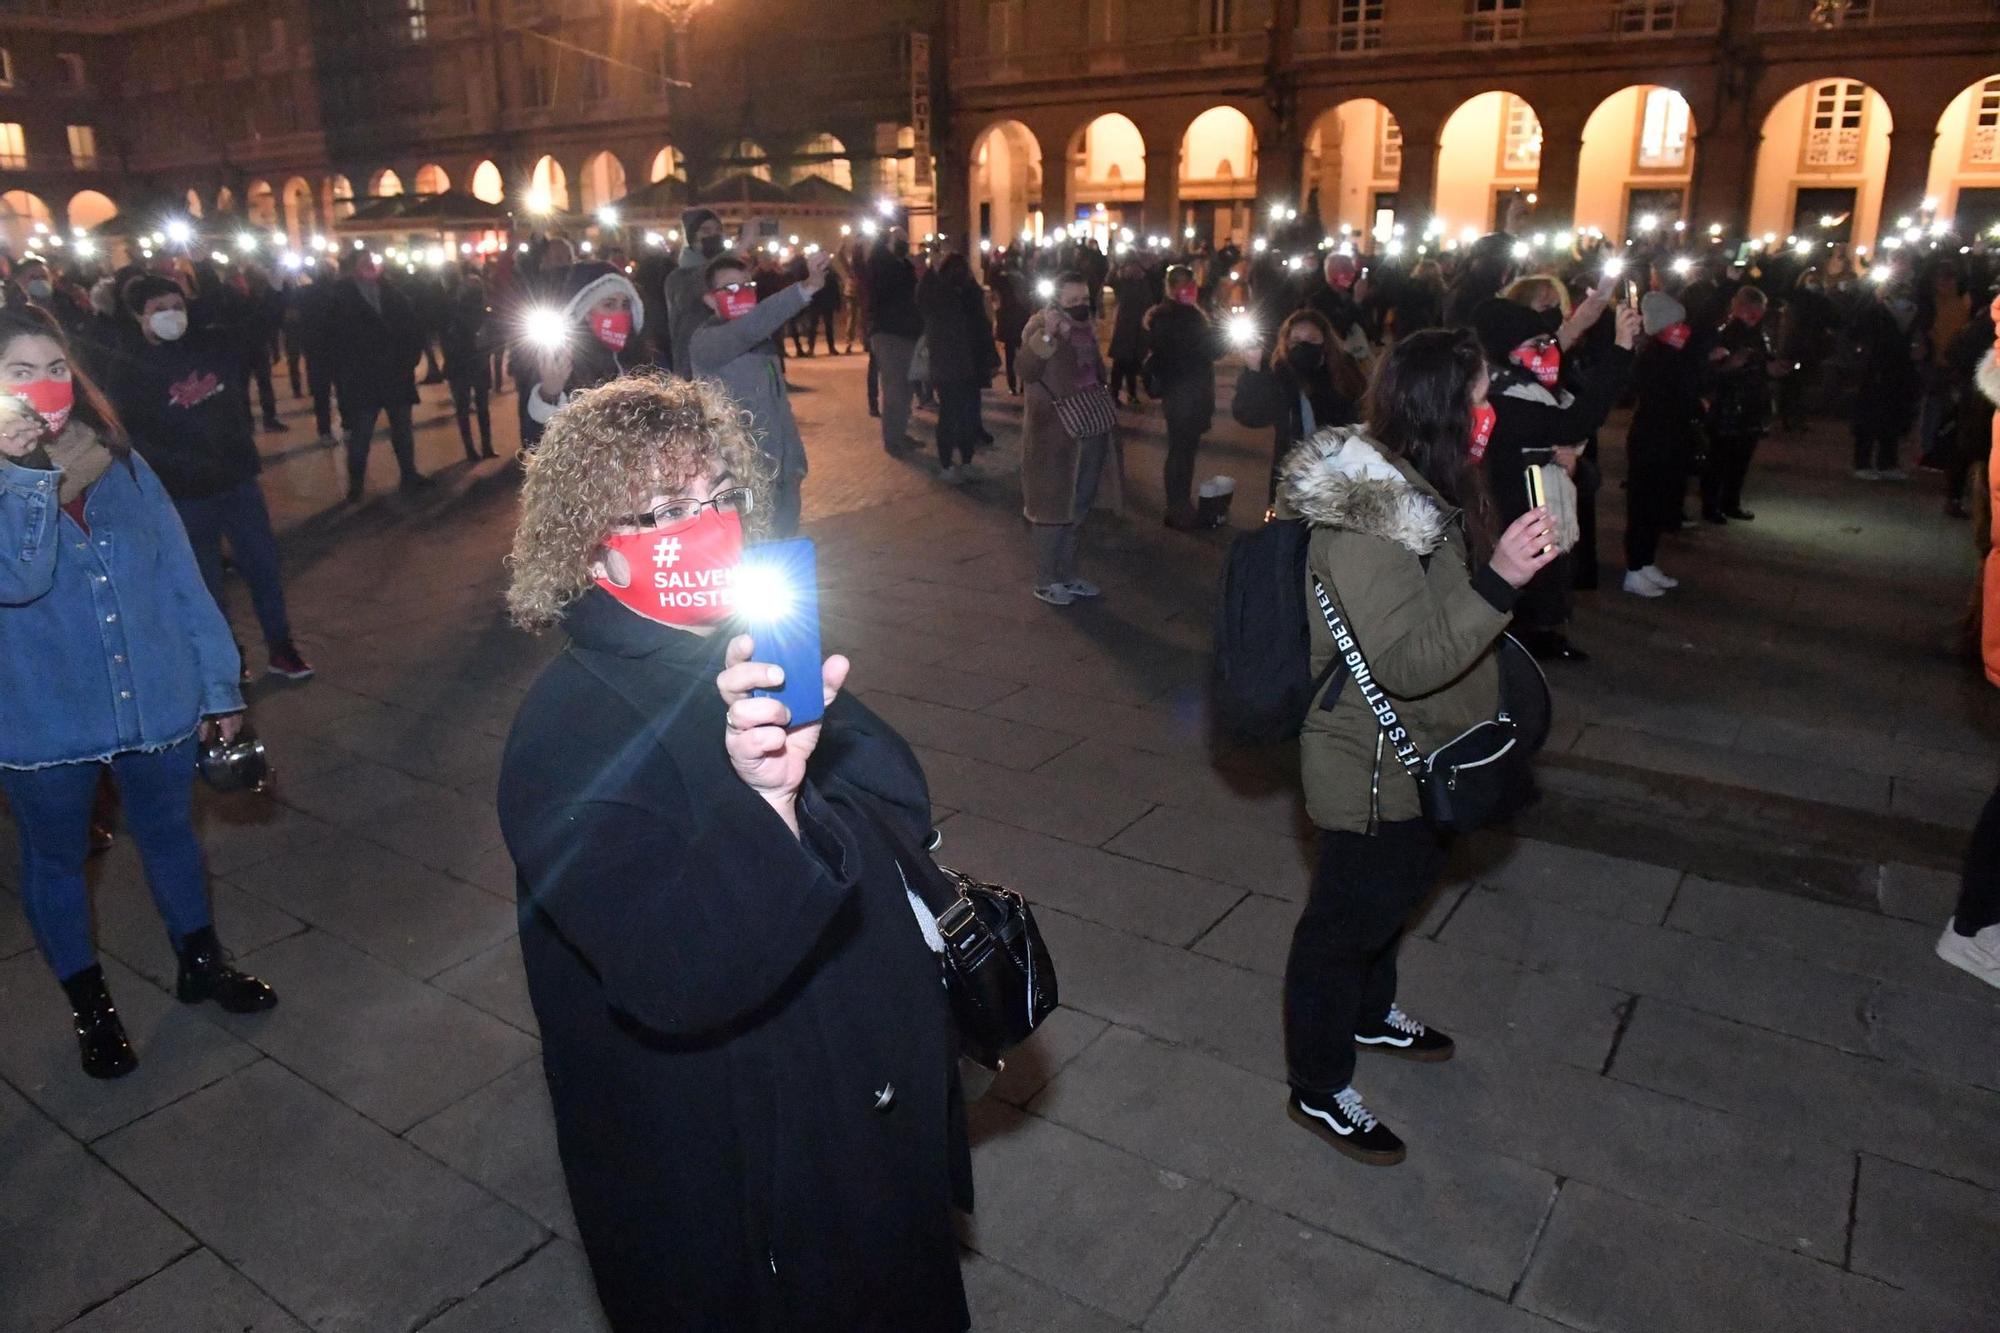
(1988, 376)
(1342, 479)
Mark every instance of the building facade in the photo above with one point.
(291, 113)
(1843, 117)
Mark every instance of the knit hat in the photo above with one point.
(693, 218)
(1503, 325)
(1659, 310)
(587, 284)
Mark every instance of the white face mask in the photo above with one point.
(39, 288)
(167, 325)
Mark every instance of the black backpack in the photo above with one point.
(1263, 682)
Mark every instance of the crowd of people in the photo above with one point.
(752, 1064)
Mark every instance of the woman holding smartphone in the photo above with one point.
(1402, 543)
(751, 1058)
(112, 652)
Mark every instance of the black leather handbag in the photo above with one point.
(1484, 774)
(996, 967)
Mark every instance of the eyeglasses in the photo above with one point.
(734, 287)
(674, 515)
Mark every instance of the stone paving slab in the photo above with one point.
(342, 1224)
(57, 1209)
(1279, 865)
(1925, 1232)
(1083, 812)
(550, 1293)
(197, 1294)
(1608, 1263)
(1266, 801)
(1154, 729)
(504, 1138)
(1264, 1271)
(1590, 881)
(1917, 893)
(1470, 1216)
(179, 1048)
(1003, 1301)
(407, 915)
(994, 740)
(1029, 1067)
(351, 1026)
(496, 982)
(1849, 1100)
(1095, 1223)
(1146, 900)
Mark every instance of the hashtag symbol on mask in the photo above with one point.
(667, 553)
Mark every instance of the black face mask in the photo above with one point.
(1305, 358)
(710, 246)
(900, 249)
(1079, 313)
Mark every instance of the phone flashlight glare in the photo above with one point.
(545, 327)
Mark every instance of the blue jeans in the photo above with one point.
(52, 809)
(239, 514)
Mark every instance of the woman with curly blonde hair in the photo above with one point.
(747, 1047)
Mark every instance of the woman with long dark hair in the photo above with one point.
(112, 652)
(1402, 543)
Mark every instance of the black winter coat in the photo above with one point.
(1271, 398)
(1528, 416)
(748, 1049)
(1741, 402)
(1887, 380)
(1668, 410)
(465, 339)
(183, 405)
(1128, 328)
(1181, 352)
(892, 295)
(374, 353)
(956, 330)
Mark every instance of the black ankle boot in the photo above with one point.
(100, 1037)
(206, 975)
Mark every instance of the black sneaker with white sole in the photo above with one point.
(1345, 1123)
(1400, 1035)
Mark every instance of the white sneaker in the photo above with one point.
(1892, 474)
(1056, 594)
(1660, 577)
(1978, 954)
(1639, 585)
(1867, 474)
(951, 476)
(1082, 588)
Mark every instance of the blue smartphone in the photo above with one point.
(777, 594)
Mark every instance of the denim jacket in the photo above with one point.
(109, 642)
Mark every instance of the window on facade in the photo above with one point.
(6, 68)
(82, 147)
(1389, 153)
(1983, 135)
(13, 145)
(537, 85)
(71, 77)
(1218, 16)
(1494, 20)
(1663, 130)
(594, 83)
(1357, 25)
(236, 43)
(1522, 151)
(277, 46)
(1003, 27)
(419, 19)
(1833, 123)
(1107, 22)
(1643, 16)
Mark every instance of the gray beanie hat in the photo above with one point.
(1658, 310)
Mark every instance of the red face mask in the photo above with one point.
(1185, 295)
(1483, 419)
(685, 578)
(612, 329)
(1674, 335)
(1343, 278)
(367, 269)
(51, 399)
(1542, 360)
(1751, 316)
(736, 304)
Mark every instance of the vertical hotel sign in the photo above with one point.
(920, 105)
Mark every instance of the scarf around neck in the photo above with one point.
(82, 458)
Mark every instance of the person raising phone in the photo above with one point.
(1401, 539)
(751, 1059)
(112, 652)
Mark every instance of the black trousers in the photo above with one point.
(1183, 442)
(468, 398)
(1723, 475)
(1125, 378)
(958, 421)
(874, 388)
(1341, 975)
(1876, 448)
(1979, 891)
(260, 373)
(1654, 480)
(319, 377)
(361, 433)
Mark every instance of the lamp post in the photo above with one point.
(680, 17)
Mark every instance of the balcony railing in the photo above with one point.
(1535, 24)
(1809, 16)
(1171, 53)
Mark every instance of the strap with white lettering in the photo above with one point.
(1349, 651)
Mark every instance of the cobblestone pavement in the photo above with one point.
(1710, 1076)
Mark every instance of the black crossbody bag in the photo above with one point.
(1479, 777)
